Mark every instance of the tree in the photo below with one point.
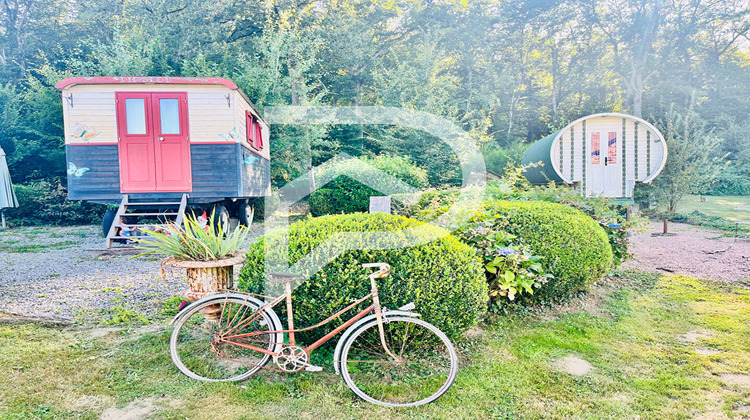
(691, 165)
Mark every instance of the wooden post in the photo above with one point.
(380, 204)
(665, 226)
(632, 208)
(311, 178)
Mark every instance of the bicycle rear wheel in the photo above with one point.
(197, 347)
(425, 367)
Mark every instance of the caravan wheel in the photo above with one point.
(221, 217)
(245, 214)
(107, 220)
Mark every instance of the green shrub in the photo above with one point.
(575, 248)
(271, 201)
(443, 277)
(610, 216)
(326, 201)
(46, 203)
(345, 195)
(733, 180)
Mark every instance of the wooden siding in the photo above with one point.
(210, 113)
(640, 150)
(215, 170)
(256, 174)
(240, 121)
(218, 170)
(101, 183)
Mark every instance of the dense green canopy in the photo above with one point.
(507, 72)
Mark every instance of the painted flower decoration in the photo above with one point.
(615, 225)
(507, 251)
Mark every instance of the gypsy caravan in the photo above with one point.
(159, 145)
(602, 154)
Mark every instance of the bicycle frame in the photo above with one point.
(229, 338)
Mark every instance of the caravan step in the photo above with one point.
(150, 214)
(130, 204)
(140, 225)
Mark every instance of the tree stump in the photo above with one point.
(206, 278)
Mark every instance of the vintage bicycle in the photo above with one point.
(387, 357)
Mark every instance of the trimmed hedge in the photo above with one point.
(444, 277)
(346, 195)
(575, 248)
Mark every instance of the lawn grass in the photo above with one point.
(722, 206)
(642, 368)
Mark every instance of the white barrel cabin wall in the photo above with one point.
(601, 155)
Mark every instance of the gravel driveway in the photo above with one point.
(51, 270)
(692, 251)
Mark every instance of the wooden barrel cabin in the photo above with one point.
(602, 154)
(159, 145)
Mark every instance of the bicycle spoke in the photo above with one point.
(424, 369)
(198, 348)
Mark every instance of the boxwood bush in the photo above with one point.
(346, 195)
(443, 277)
(575, 248)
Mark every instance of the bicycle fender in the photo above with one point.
(220, 296)
(356, 325)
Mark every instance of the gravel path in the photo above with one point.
(59, 276)
(688, 252)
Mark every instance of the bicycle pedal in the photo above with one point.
(311, 368)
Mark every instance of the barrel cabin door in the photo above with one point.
(604, 175)
(154, 146)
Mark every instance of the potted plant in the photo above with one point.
(203, 248)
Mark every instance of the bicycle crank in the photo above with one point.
(293, 359)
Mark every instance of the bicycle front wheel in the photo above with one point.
(422, 366)
(199, 344)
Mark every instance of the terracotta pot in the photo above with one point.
(206, 278)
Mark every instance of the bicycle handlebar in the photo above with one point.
(383, 270)
(381, 266)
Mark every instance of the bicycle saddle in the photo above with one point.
(282, 278)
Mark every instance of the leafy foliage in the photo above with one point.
(443, 277)
(575, 248)
(346, 195)
(194, 242)
(46, 203)
(692, 163)
(511, 268)
(507, 73)
(610, 216)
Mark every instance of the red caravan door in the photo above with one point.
(154, 146)
(172, 146)
(136, 142)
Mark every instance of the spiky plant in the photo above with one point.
(194, 242)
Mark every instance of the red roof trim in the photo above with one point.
(157, 80)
